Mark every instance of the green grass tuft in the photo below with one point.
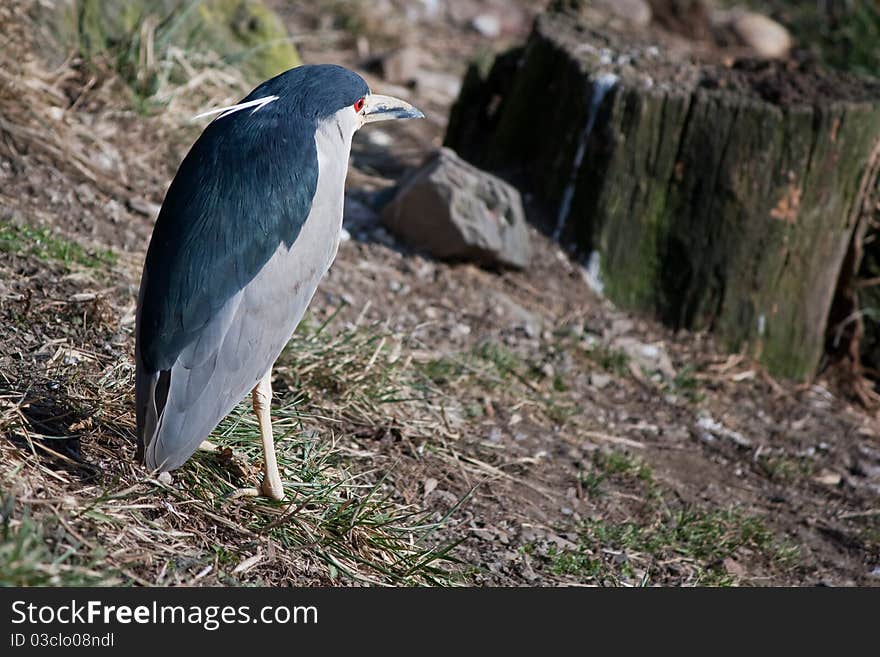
(346, 520)
(692, 540)
(611, 360)
(613, 464)
(27, 557)
(42, 244)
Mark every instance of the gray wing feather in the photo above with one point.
(232, 353)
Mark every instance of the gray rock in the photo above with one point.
(454, 211)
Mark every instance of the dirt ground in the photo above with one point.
(546, 437)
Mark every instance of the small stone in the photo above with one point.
(635, 12)
(649, 357)
(828, 478)
(618, 327)
(599, 380)
(454, 211)
(762, 34)
(711, 429)
(461, 329)
(520, 318)
(379, 138)
(489, 25)
(734, 567)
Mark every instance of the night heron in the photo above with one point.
(249, 226)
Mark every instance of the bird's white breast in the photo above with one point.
(333, 142)
(294, 274)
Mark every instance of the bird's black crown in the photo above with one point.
(317, 90)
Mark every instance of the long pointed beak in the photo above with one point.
(383, 108)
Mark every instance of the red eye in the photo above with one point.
(359, 105)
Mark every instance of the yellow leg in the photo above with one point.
(271, 487)
(262, 398)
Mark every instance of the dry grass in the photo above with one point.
(106, 522)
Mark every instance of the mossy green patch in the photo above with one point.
(42, 244)
(145, 38)
(611, 552)
(260, 41)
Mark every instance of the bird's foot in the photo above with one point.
(243, 492)
(271, 488)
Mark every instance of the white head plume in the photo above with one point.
(257, 104)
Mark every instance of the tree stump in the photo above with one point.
(715, 197)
